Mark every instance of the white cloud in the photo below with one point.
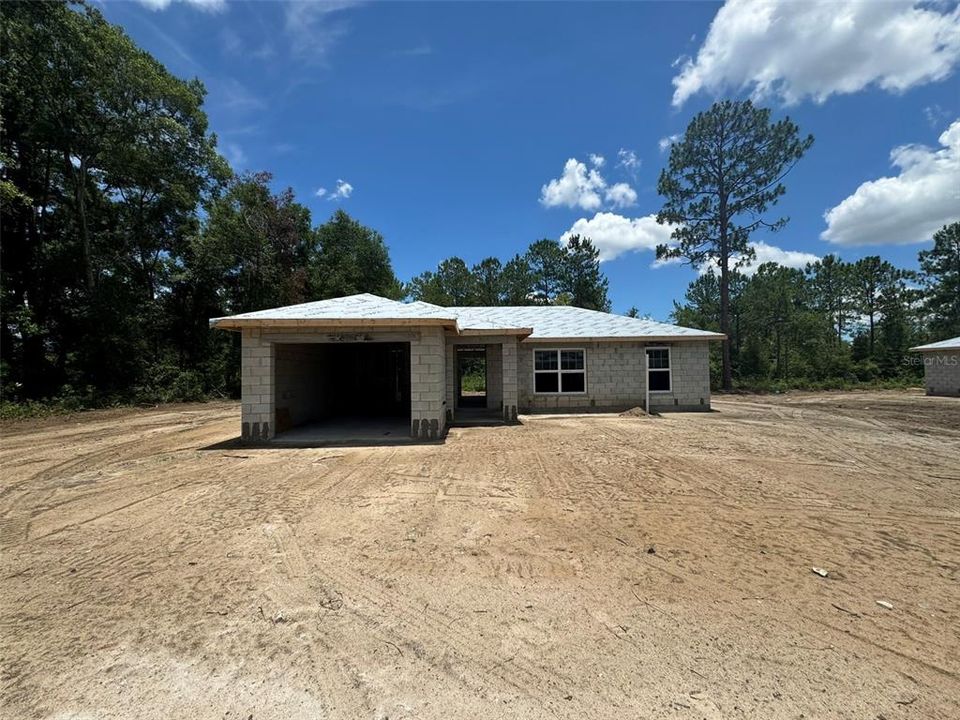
(621, 195)
(818, 48)
(613, 235)
(207, 5)
(763, 253)
(583, 187)
(907, 208)
(342, 191)
(320, 192)
(598, 161)
(628, 160)
(665, 142)
(314, 27)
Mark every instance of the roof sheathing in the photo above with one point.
(535, 323)
(948, 344)
(363, 310)
(558, 323)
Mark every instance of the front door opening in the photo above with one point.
(471, 376)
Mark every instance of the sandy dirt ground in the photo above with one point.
(569, 567)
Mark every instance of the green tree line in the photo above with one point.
(548, 273)
(833, 321)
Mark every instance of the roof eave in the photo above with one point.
(229, 323)
(522, 332)
(630, 338)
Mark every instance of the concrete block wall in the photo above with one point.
(257, 387)
(510, 356)
(941, 373)
(428, 385)
(450, 370)
(494, 376)
(690, 386)
(616, 378)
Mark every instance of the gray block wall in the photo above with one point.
(257, 388)
(511, 388)
(941, 373)
(494, 376)
(616, 378)
(428, 385)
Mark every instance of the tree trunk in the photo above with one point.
(725, 297)
(80, 208)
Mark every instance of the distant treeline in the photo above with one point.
(834, 322)
(123, 230)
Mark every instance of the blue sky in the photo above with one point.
(450, 127)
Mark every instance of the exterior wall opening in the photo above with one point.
(471, 376)
(334, 384)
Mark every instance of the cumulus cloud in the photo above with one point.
(765, 254)
(818, 48)
(598, 161)
(621, 195)
(613, 235)
(208, 5)
(583, 187)
(907, 208)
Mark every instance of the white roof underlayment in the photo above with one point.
(537, 322)
(951, 344)
(555, 322)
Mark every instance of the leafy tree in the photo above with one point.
(110, 156)
(488, 283)
(351, 259)
(451, 284)
(895, 333)
(722, 177)
(831, 282)
(868, 275)
(548, 267)
(516, 282)
(260, 243)
(940, 267)
(582, 278)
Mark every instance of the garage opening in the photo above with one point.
(342, 392)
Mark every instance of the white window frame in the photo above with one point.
(559, 371)
(649, 370)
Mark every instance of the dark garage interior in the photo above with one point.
(342, 391)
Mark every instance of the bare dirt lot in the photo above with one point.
(570, 567)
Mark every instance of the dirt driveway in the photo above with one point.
(571, 567)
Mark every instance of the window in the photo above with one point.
(658, 373)
(559, 371)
